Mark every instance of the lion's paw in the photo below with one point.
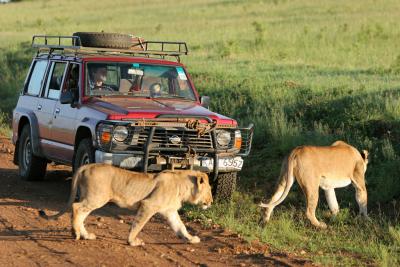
(90, 236)
(335, 212)
(194, 240)
(136, 242)
(322, 225)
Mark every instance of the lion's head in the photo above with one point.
(201, 195)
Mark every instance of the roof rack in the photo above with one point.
(71, 45)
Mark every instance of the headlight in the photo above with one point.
(120, 133)
(223, 138)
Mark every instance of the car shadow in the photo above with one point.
(50, 194)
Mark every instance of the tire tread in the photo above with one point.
(224, 186)
(104, 40)
(84, 145)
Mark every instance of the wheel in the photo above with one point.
(224, 186)
(84, 154)
(105, 40)
(31, 167)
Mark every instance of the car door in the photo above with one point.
(31, 95)
(47, 104)
(64, 117)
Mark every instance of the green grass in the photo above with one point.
(304, 71)
(5, 128)
(349, 239)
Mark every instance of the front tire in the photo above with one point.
(224, 186)
(31, 167)
(84, 154)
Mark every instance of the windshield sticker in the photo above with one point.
(136, 65)
(181, 73)
(135, 72)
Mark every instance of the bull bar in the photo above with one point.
(149, 145)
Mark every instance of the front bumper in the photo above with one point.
(149, 146)
(201, 163)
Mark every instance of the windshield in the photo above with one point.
(143, 80)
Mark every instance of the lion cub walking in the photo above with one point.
(328, 167)
(149, 194)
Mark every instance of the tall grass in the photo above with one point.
(14, 63)
(305, 72)
(5, 127)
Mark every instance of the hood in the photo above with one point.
(119, 108)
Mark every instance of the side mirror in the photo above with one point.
(205, 101)
(67, 97)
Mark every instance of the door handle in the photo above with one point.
(39, 107)
(57, 110)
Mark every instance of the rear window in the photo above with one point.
(37, 77)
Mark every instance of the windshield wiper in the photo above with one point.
(99, 96)
(173, 96)
(135, 94)
(105, 95)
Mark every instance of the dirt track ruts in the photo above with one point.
(27, 240)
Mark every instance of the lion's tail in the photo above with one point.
(74, 189)
(291, 164)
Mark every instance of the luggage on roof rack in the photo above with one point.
(139, 47)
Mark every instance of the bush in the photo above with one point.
(14, 64)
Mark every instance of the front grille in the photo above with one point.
(172, 139)
(163, 138)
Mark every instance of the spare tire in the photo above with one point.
(104, 40)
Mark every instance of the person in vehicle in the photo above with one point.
(72, 83)
(74, 76)
(155, 90)
(98, 77)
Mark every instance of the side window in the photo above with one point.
(71, 82)
(55, 80)
(37, 77)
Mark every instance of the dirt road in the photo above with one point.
(27, 240)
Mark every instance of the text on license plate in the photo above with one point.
(230, 163)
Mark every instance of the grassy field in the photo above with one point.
(305, 72)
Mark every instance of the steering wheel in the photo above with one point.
(108, 88)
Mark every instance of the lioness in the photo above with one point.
(149, 194)
(328, 167)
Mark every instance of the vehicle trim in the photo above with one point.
(33, 123)
(133, 161)
(56, 144)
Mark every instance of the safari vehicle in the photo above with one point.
(116, 99)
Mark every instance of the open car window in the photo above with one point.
(55, 80)
(133, 79)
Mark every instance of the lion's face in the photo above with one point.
(202, 194)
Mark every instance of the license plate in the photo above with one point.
(227, 164)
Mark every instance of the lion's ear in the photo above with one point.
(364, 154)
(201, 178)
